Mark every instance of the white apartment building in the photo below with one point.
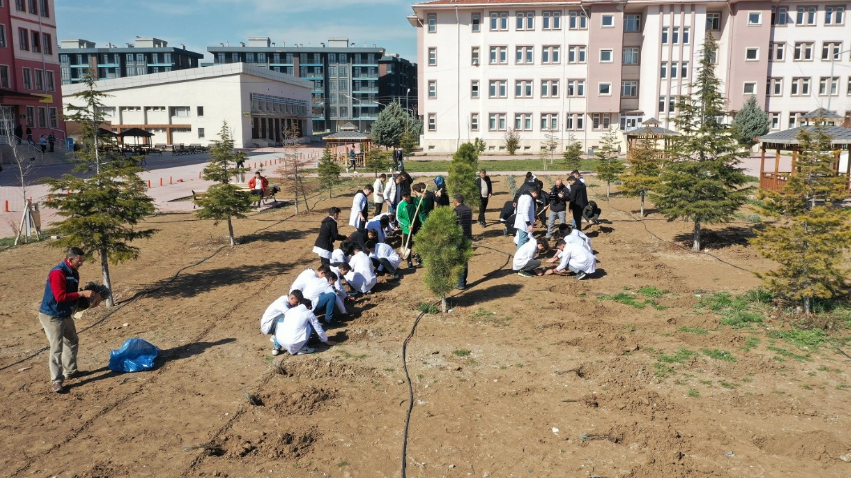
(573, 69)
(189, 106)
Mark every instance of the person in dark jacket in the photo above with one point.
(324, 244)
(591, 213)
(558, 198)
(441, 195)
(58, 303)
(578, 201)
(483, 183)
(465, 220)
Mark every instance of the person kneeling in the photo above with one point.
(275, 313)
(384, 258)
(524, 258)
(362, 276)
(293, 331)
(574, 257)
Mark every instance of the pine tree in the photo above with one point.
(702, 182)
(377, 161)
(609, 166)
(444, 250)
(329, 171)
(750, 122)
(813, 230)
(462, 174)
(389, 127)
(511, 139)
(573, 154)
(644, 169)
(223, 200)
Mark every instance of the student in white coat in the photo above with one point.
(360, 208)
(575, 258)
(295, 329)
(524, 259)
(362, 276)
(275, 312)
(524, 220)
(384, 257)
(381, 224)
(390, 195)
(378, 193)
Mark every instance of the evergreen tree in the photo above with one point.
(751, 122)
(642, 175)
(512, 141)
(703, 182)
(223, 200)
(480, 145)
(377, 161)
(444, 250)
(813, 230)
(463, 172)
(329, 171)
(87, 113)
(573, 154)
(609, 166)
(389, 127)
(409, 141)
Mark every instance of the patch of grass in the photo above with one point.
(661, 370)
(624, 298)
(342, 464)
(650, 291)
(804, 339)
(350, 356)
(629, 327)
(679, 356)
(825, 368)
(843, 386)
(428, 308)
(729, 385)
(706, 382)
(741, 318)
(788, 354)
(693, 330)
(750, 343)
(693, 393)
(807, 387)
(718, 354)
(461, 352)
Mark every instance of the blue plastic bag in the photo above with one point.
(135, 355)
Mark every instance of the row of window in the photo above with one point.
(800, 86)
(523, 121)
(33, 79)
(801, 51)
(575, 88)
(288, 58)
(47, 117)
(804, 15)
(29, 40)
(34, 7)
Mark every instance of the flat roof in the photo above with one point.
(126, 49)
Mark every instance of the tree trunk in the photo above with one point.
(444, 306)
(608, 185)
(329, 193)
(230, 232)
(696, 245)
(642, 204)
(807, 306)
(304, 195)
(104, 268)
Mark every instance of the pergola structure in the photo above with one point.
(774, 178)
(649, 129)
(342, 141)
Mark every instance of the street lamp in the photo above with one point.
(830, 86)
(406, 97)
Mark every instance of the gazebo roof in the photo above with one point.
(348, 127)
(654, 130)
(821, 113)
(348, 136)
(651, 120)
(790, 136)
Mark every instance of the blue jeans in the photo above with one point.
(523, 237)
(326, 301)
(462, 280)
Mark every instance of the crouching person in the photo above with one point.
(293, 331)
(362, 276)
(524, 259)
(573, 257)
(275, 313)
(384, 258)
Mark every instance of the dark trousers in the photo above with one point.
(51, 147)
(325, 261)
(378, 207)
(483, 205)
(383, 262)
(531, 266)
(577, 216)
(462, 280)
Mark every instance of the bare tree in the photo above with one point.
(22, 157)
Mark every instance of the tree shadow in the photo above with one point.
(497, 291)
(494, 230)
(189, 285)
(719, 238)
(272, 236)
(188, 350)
(599, 230)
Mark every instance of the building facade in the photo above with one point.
(346, 79)
(142, 57)
(571, 70)
(29, 69)
(190, 106)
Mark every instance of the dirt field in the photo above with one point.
(630, 373)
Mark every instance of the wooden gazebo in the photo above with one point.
(649, 129)
(774, 177)
(342, 142)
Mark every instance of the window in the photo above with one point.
(684, 69)
(549, 121)
(19, 5)
(803, 51)
(663, 70)
(523, 121)
(806, 16)
(674, 69)
(550, 54)
(475, 56)
(524, 54)
(39, 79)
(713, 21)
(199, 111)
(28, 82)
(664, 35)
(2, 36)
(827, 83)
(30, 116)
(499, 21)
(432, 89)
(686, 35)
(33, 8)
(601, 121)
(578, 20)
(432, 56)
(47, 43)
(496, 121)
(53, 117)
(607, 20)
(432, 122)
(549, 88)
(751, 54)
(552, 20)
(795, 119)
(834, 15)
(632, 23)
(847, 92)
(574, 121)
(629, 89)
(675, 35)
(474, 89)
(749, 88)
(604, 89)
(830, 50)
(179, 111)
(576, 88)
(576, 54)
(42, 117)
(774, 119)
(525, 21)
(497, 89)
(498, 55)
(476, 26)
(23, 39)
(779, 15)
(523, 89)
(200, 133)
(755, 18)
(800, 86)
(432, 22)
(631, 55)
(667, 102)
(776, 51)
(4, 76)
(474, 121)
(606, 56)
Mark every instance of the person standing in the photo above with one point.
(378, 193)
(441, 196)
(524, 220)
(328, 233)
(483, 182)
(51, 140)
(360, 208)
(578, 200)
(61, 292)
(19, 133)
(30, 136)
(42, 141)
(407, 220)
(465, 220)
(352, 160)
(424, 200)
(558, 206)
(258, 185)
(390, 195)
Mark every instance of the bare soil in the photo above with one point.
(524, 377)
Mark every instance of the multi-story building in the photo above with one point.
(347, 86)
(573, 69)
(29, 68)
(397, 81)
(142, 57)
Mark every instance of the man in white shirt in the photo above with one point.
(320, 292)
(524, 258)
(294, 331)
(524, 220)
(381, 224)
(275, 312)
(383, 256)
(575, 258)
(362, 276)
(573, 235)
(390, 195)
(378, 193)
(360, 208)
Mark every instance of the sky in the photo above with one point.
(202, 23)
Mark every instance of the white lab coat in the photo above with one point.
(525, 212)
(378, 191)
(316, 287)
(577, 256)
(301, 280)
(525, 253)
(292, 332)
(375, 223)
(275, 311)
(385, 251)
(578, 237)
(359, 203)
(362, 276)
(390, 190)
